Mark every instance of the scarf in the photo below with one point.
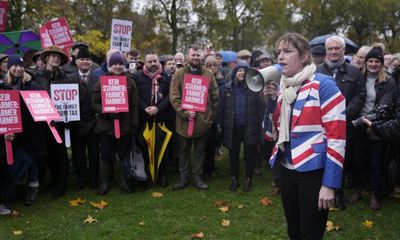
(154, 76)
(333, 66)
(289, 88)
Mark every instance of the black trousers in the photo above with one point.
(209, 161)
(299, 194)
(110, 145)
(368, 162)
(85, 156)
(57, 160)
(250, 153)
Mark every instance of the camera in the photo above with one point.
(380, 112)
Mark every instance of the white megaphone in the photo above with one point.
(256, 79)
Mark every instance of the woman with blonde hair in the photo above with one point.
(368, 146)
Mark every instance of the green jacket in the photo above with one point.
(203, 121)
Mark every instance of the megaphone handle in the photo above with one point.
(190, 127)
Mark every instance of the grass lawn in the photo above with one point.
(178, 215)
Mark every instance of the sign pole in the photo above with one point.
(9, 150)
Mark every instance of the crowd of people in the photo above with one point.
(328, 122)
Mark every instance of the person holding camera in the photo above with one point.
(368, 146)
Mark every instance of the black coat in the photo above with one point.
(165, 111)
(33, 138)
(390, 130)
(351, 85)
(88, 118)
(226, 116)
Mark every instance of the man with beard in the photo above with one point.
(351, 86)
(153, 87)
(202, 121)
(82, 134)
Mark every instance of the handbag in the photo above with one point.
(134, 166)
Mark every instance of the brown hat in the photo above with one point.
(53, 49)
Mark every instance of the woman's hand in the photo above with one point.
(9, 137)
(270, 90)
(366, 121)
(326, 197)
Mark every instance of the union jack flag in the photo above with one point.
(318, 129)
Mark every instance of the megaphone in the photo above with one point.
(255, 79)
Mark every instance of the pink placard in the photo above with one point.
(114, 97)
(10, 118)
(114, 94)
(10, 113)
(3, 15)
(195, 92)
(40, 106)
(42, 109)
(59, 33)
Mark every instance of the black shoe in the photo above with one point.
(103, 188)
(163, 182)
(234, 184)
(339, 201)
(31, 195)
(181, 185)
(247, 185)
(199, 183)
(58, 192)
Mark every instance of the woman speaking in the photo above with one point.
(311, 125)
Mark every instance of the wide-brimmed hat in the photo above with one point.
(53, 49)
(3, 56)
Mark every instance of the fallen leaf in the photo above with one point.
(141, 224)
(241, 206)
(265, 201)
(330, 226)
(90, 220)
(76, 202)
(225, 223)
(17, 232)
(16, 214)
(157, 195)
(368, 224)
(220, 203)
(101, 205)
(198, 235)
(224, 209)
(333, 209)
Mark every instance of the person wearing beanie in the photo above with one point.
(129, 122)
(84, 142)
(348, 79)
(57, 157)
(27, 152)
(244, 126)
(116, 58)
(370, 147)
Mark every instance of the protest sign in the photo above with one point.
(66, 100)
(3, 15)
(121, 34)
(194, 97)
(10, 118)
(59, 34)
(114, 97)
(42, 109)
(45, 37)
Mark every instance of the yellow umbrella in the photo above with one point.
(150, 137)
(157, 138)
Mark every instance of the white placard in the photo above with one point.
(66, 100)
(121, 33)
